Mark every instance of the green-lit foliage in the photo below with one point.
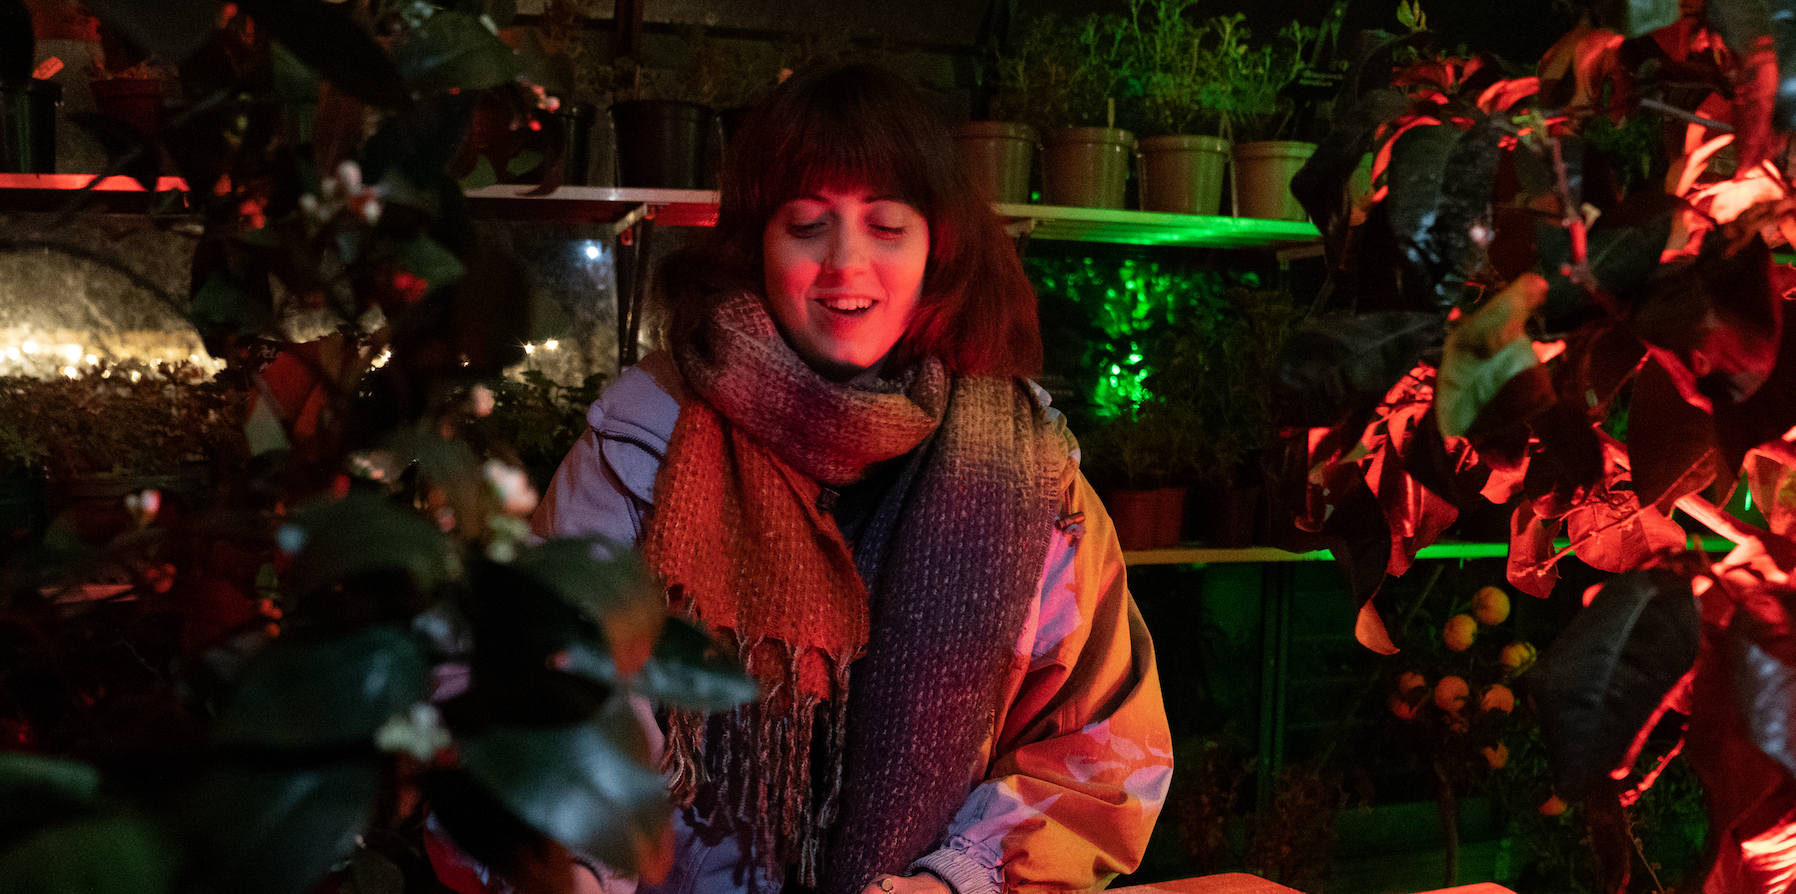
(1104, 317)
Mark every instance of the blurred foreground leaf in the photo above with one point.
(325, 693)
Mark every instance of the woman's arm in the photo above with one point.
(1082, 756)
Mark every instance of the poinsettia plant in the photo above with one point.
(1499, 298)
(360, 654)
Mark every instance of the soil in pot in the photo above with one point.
(1086, 167)
(997, 156)
(1147, 519)
(1263, 174)
(1182, 174)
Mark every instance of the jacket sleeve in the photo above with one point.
(605, 486)
(1082, 755)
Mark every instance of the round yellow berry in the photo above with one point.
(1552, 807)
(1496, 755)
(1451, 694)
(1459, 632)
(1518, 656)
(1491, 606)
(1498, 698)
(1404, 708)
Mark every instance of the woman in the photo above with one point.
(838, 470)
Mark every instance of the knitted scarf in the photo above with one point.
(925, 611)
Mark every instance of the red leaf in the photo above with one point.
(1765, 416)
(1669, 441)
(1773, 490)
(1531, 551)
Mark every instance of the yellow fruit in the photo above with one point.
(1496, 755)
(1402, 707)
(1552, 807)
(1491, 606)
(1451, 693)
(1498, 698)
(1459, 632)
(1410, 681)
(1518, 656)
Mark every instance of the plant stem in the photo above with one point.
(1449, 810)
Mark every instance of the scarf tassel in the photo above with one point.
(757, 764)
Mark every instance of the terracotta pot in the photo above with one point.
(1263, 174)
(997, 156)
(1226, 516)
(1086, 167)
(135, 101)
(1182, 174)
(1147, 519)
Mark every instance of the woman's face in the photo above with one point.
(844, 272)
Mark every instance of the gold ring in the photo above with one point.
(885, 884)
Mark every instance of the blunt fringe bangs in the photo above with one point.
(859, 126)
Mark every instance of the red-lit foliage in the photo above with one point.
(1504, 299)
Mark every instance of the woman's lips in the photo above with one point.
(846, 303)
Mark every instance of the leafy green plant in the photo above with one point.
(1258, 104)
(537, 418)
(1181, 67)
(1063, 73)
(361, 632)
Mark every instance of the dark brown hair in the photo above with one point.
(863, 126)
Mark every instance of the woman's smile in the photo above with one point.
(844, 272)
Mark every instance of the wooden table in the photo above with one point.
(1243, 883)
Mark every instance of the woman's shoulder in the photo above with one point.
(643, 402)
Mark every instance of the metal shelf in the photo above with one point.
(1216, 555)
(1068, 224)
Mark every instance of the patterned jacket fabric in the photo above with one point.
(1077, 762)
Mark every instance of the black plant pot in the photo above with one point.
(663, 144)
(28, 126)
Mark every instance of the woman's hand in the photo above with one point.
(921, 883)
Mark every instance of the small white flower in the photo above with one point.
(482, 398)
(418, 732)
(516, 496)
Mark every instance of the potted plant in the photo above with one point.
(666, 128)
(1063, 79)
(1217, 360)
(1261, 117)
(1140, 462)
(1181, 66)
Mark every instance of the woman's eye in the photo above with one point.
(805, 230)
(890, 231)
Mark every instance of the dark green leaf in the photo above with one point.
(1333, 367)
(1606, 674)
(371, 872)
(221, 305)
(361, 534)
(430, 261)
(1323, 185)
(587, 786)
(278, 830)
(325, 37)
(417, 142)
(325, 693)
(597, 586)
(454, 51)
(1462, 222)
(1415, 176)
(113, 854)
(294, 81)
(35, 791)
(687, 670)
(1624, 250)
(171, 29)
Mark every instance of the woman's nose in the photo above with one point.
(847, 249)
